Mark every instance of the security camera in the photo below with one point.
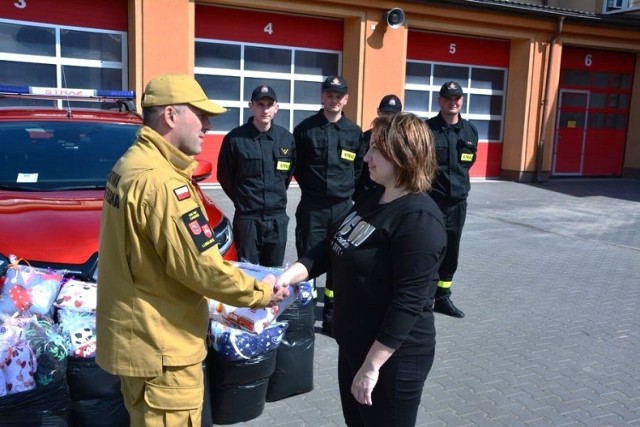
(394, 17)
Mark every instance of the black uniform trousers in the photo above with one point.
(454, 218)
(314, 221)
(261, 240)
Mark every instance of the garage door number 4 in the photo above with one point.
(268, 28)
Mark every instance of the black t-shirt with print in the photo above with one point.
(384, 259)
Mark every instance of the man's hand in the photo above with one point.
(279, 292)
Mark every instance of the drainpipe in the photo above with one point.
(545, 101)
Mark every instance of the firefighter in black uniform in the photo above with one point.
(456, 147)
(329, 159)
(389, 104)
(255, 167)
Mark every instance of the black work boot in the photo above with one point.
(444, 305)
(327, 316)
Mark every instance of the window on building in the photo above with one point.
(484, 89)
(229, 71)
(59, 56)
(614, 6)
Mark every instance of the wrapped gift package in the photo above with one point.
(235, 344)
(79, 329)
(255, 320)
(27, 288)
(77, 295)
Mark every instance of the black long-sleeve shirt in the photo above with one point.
(329, 157)
(384, 259)
(255, 169)
(456, 148)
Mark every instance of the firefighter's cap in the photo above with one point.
(390, 104)
(335, 84)
(451, 89)
(263, 91)
(175, 89)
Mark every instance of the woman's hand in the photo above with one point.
(367, 376)
(292, 275)
(363, 384)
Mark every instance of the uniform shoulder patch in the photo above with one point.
(182, 193)
(199, 229)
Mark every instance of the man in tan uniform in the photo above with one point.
(159, 260)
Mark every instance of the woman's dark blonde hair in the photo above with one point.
(407, 142)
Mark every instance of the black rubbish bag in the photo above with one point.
(238, 403)
(45, 406)
(96, 400)
(89, 381)
(294, 359)
(103, 412)
(207, 421)
(227, 373)
(238, 388)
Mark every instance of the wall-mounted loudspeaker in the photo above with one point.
(394, 17)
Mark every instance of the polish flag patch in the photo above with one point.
(182, 193)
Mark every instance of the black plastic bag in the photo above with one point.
(103, 412)
(96, 400)
(226, 373)
(238, 388)
(207, 421)
(294, 359)
(88, 381)
(239, 402)
(46, 406)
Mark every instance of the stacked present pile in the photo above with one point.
(47, 339)
(48, 343)
(242, 333)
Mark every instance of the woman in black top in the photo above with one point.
(385, 258)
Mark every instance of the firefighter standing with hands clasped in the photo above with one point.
(255, 167)
(456, 146)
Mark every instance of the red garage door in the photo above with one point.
(434, 58)
(593, 112)
(72, 44)
(237, 50)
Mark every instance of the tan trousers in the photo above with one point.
(173, 399)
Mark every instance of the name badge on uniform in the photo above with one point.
(199, 229)
(466, 157)
(347, 155)
(283, 166)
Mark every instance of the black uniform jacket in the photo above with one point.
(456, 149)
(329, 157)
(255, 169)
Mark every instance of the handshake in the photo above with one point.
(255, 320)
(294, 274)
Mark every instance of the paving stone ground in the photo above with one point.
(549, 279)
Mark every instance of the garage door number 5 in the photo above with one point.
(20, 4)
(268, 28)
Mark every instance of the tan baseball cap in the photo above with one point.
(174, 89)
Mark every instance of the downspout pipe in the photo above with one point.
(545, 101)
